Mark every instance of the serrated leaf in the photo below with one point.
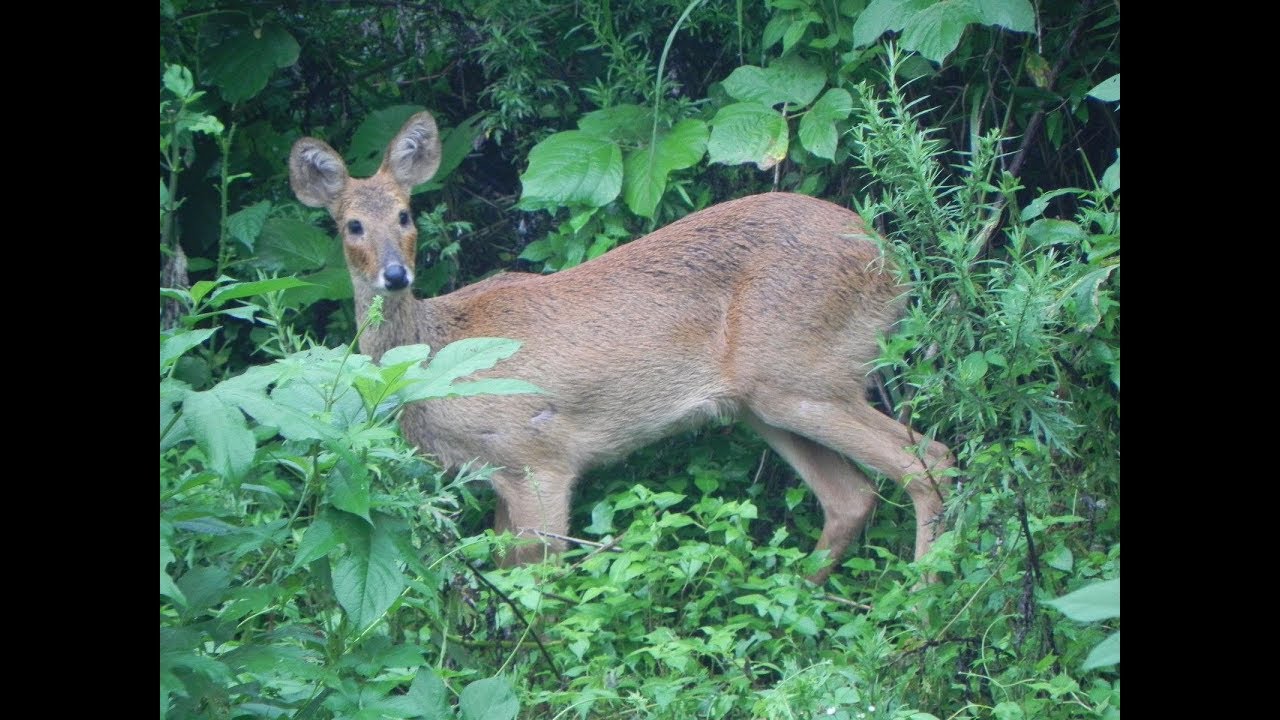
(1007, 711)
(1016, 15)
(1098, 601)
(1104, 654)
(204, 587)
(936, 31)
(646, 169)
(1056, 232)
(241, 64)
(972, 368)
(790, 80)
(347, 486)
(818, 126)
(884, 15)
(601, 519)
(246, 224)
(572, 168)
(293, 246)
(177, 344)
(220, 431)
(178, 80)
(405, 355)
(1108, 90)
(489, 699)
(488, 386)
(458, 360)
(620, 123)
(367, 580)
(747, 132)
(428, 695)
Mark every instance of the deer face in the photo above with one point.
(379, 238)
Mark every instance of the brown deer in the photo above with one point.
(764, 308)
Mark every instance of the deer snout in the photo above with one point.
(395, 276)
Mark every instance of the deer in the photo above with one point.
(764, 309)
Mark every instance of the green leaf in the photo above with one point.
(1098, 601)
(293, 246)
(246, 224)
(428, 695)
(818, 126)
(492, 386)
(249, 289)
(884, 15)
(321, 537)
(1036, 207)
(1007, 711)
(1111, 178)
(405, 355)
(790, 80)
(1104, 654)
(204, 587)
(174, 346)
(331, 283)
(489, 699)
(167, 586)
(368, 579)
(178, 80)
(935, 31)
(572, 168)
(457, 360)
(601, 519)
(241, 64)
(220, 431)
(620, 123)
(1108, 90)
(1056, 232)
(646, 169)
(347, 486)
(1016, 15)
(748, 132)
(972, 368)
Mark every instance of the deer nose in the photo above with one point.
(396, 276)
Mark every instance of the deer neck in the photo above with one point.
(406, 320)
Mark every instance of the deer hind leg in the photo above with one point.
(858, 431)
(530, 504)
(846, 496)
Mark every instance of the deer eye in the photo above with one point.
(355, 228)
(404, 218)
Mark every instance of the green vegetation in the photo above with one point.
(313, 566)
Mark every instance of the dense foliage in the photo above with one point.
(312, 565)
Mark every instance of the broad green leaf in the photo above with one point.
(1036, 207)
(331, 283)
(294, 423)
(347, 486)
(884, 15)
(972, 368)
(1007, 711)
(1098, 601)
(489, 699)
(167, 586)
(1108, 90)
(572, 168)
(795, 31)
(241, 64)
(203, 287)
(460, 359)
(1056, 232)
(1111, 178)
(601, 519)
(204, 587)
(818, 126)
(1087, 301)
(620, 123)
(368, 579)
(256, 287)
(430, 698)
(748, 132)
(220, 431)
(788, 80)
(369, 141)
(646, 169)
(935, 31)
(174, 346)
(405, 355)
(1016, 15)
(1104, 654)
(178, 80)
(246, 224)
(293, 246)
(488, 386)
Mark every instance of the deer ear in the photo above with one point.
(414, 155)
(316, 173)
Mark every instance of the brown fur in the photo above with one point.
(765, 308)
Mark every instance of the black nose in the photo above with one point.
(396, 277)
